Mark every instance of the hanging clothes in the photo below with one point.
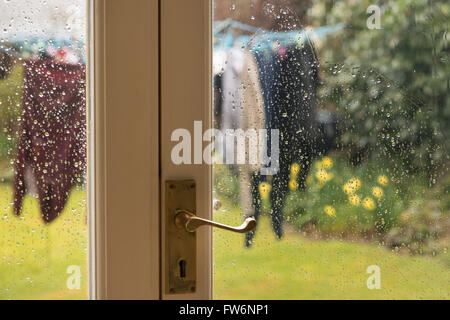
(231, 90)
(288, 76)
(52, 141)
(289, 81)
(252, 117)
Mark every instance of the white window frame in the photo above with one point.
(123, 148)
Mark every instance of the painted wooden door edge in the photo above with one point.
(186, 96)
(125, 151)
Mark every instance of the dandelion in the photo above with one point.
(330, 211)
(369, 204)
(356, 183)
(354, 200)
(352, 186)
(327, 163)
(377, 192)
(295, 169)
(383, 180)
(264, 190)
(347, 189)
(323, 176)
(293, 185)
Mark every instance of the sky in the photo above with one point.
(43, 19)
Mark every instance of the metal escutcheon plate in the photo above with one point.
(181, 246)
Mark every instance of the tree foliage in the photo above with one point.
(391, 84)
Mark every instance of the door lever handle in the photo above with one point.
(190, 222)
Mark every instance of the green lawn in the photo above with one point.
(297, 268)
(34, 259)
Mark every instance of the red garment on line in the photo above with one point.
(52, 140)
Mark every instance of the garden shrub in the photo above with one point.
(346, 201)
(390, 86)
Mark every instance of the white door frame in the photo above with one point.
(150, 68)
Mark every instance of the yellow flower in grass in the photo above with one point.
(264, 190)
(330, 211)
(327, 163)
(295, 169)
(309, 180)
(348, 189)
(369, 204)
(383, 180)
(352, 186)
(324, 176)
(293, 185)
(354, 200)
(377, 192)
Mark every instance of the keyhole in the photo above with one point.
(182, 268)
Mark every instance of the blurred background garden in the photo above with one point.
(37, 259)
(380, 196)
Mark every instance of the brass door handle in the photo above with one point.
(190, 222)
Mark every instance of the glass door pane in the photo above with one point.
(333, 122)
(43, 217)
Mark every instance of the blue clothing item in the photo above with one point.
(289, 81)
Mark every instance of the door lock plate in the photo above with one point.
(181, 246)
